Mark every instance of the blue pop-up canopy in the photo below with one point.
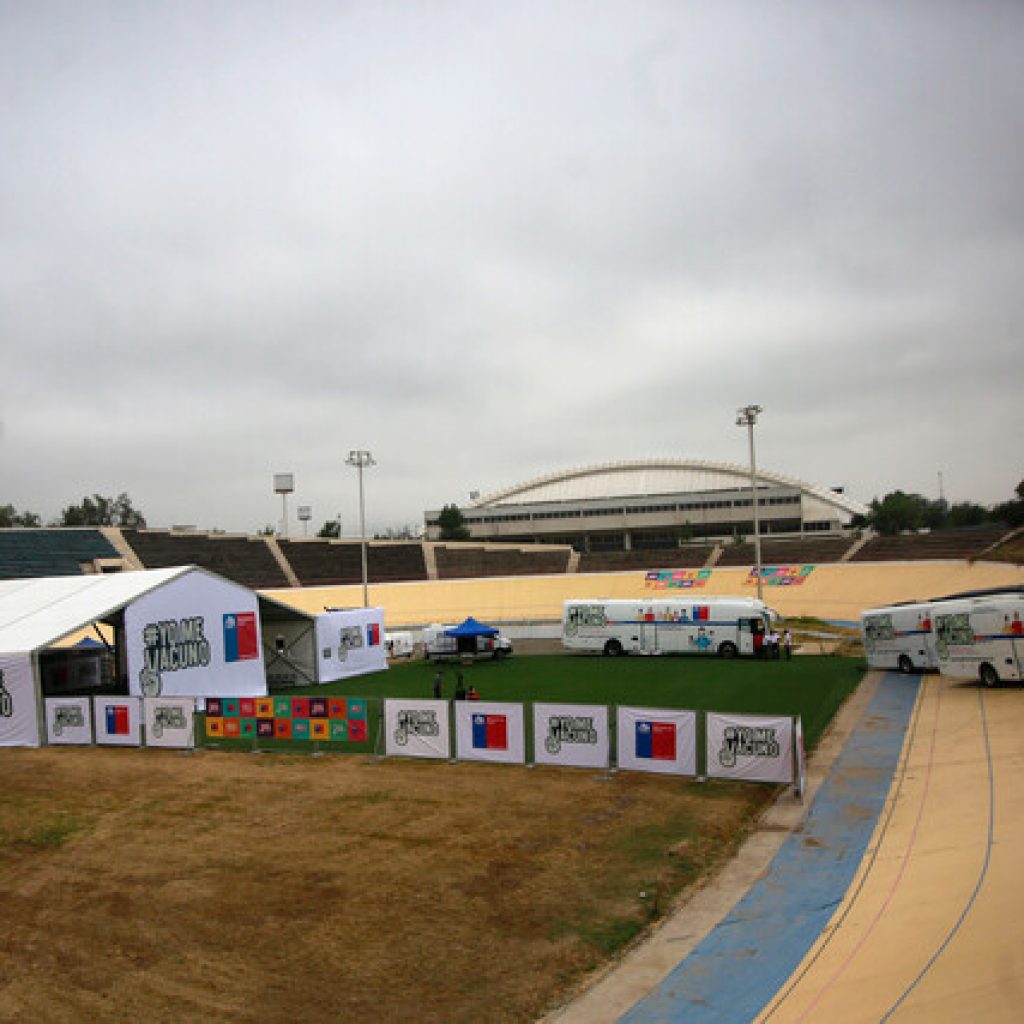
(471, 628)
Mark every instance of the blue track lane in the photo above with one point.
(745, 960)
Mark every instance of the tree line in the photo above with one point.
(899, 512)
(97, 510)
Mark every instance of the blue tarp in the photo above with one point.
(471, 628)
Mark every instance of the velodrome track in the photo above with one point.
(928, 925)
(933, 927)
(837, 592)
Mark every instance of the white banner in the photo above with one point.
(196, 636)
(118, 720)
(169, 721)
(754, 748)
(801, 758)
(489, 731)
(657, 740)
(571, 734)
(350, 643)
(416, 728)
(69, 720)
(19, 711)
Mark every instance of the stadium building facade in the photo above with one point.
(652, 503)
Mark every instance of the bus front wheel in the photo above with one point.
(989, 676)
(905, 665)
(727, 650)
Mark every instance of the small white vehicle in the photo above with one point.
(438, 645)
(900, 637)
(726, 626)
(981, 638)
(398, 645)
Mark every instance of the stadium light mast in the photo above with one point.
(362, 459)
(747, 417)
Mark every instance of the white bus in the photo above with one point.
(900, 636)
(981, 638)
(726, 626)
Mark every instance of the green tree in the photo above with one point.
(331, 530)
(967, 513)
(103, 511)
(1011, 512)
(452, 523)
(10, 516)
(897, 512)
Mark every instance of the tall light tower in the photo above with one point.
(747, 417)
(362, 460)
(284, 484)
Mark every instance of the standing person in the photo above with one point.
(438, 685)
(787, 644)
(460, 687)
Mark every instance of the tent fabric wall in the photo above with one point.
(197, 636)
(350, 643)
(19, 706)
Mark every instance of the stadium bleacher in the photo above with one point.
(329, 563)
(692, 556)
(472, 562)
(25, 554)
(964, 543)
(246, 560)
(797, 551)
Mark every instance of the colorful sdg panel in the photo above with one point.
(338, 719)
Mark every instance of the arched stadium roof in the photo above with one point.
(641, 477)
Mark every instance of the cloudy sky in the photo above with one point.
(488, 241)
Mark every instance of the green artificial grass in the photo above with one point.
(810, 686)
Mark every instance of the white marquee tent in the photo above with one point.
(181, 632)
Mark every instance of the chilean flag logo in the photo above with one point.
(241, 641)
(490, 732)
(656, 740)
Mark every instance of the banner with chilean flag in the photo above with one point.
(489, 731)
(658, 740)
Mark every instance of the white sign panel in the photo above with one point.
(416, 728)
(118, 720)
(350, 643)
(69, 720)
(657, 740)
(571, 734)
(801, 758)
(754, 748)
(169, 721)
(489, 731)
(196, 636)
(19, 712)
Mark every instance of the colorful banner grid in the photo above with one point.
(335, 719)
(677, 579)
(780, 575)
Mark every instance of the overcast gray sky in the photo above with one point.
(488, 241)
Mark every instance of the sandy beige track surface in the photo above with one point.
(933, 927)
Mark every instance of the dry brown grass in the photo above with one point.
(156, 886)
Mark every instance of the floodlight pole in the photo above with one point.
(747, 417)
(362, 459)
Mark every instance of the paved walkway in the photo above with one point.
(897, 897)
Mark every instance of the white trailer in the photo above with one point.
(981, 638)
(438, 645)
(900, 637)
(726, 626)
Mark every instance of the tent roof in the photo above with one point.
(36, 613)
(471, 628)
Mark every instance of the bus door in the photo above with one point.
(648, 638)
(751, 636)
